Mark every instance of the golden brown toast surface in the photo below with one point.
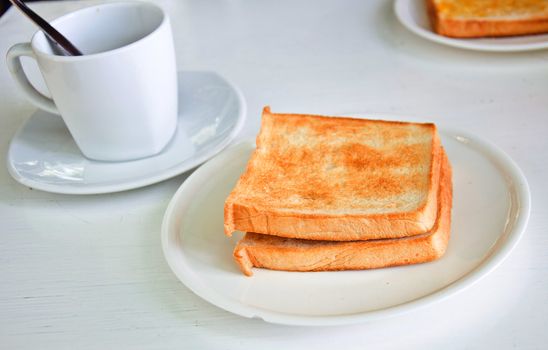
(330, 178)
(508, 9)
(272, 252)
(488, 18)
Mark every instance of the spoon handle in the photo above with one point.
(50, 32)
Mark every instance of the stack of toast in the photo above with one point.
(488, 18)
(330, 193)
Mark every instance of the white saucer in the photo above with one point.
(490, 212)
(43, 155)
(412, 14)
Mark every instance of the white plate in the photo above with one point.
(412, 14)
(491, 209)
(43, 155)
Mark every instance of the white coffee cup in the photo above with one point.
(119, 100)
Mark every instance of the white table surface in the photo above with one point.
(87, 272)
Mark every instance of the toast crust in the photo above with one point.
(276, 253)
(266, 217)
(477, 27)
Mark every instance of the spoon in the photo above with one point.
(63, 44)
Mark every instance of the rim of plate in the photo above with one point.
(137, 183)
(401, 9)
(171, 225)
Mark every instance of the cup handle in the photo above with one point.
(13, 59)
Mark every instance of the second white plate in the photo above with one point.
(412, 14)
(491, 209)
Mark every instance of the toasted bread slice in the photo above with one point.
(337, 179)
(488, 18)
(277, 253)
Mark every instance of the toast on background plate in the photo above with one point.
(277, 253)
(338, 179)
(488, 18)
